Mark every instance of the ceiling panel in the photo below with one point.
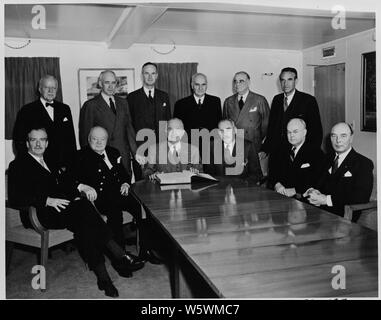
(119, 26)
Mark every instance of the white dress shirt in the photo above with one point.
(290, 97)
(243, 96)
(199, 98)
(146, 91)
(49, 109)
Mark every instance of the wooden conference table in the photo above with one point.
(249, 242)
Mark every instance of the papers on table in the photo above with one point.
(184, 177)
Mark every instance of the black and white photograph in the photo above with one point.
(161, 151)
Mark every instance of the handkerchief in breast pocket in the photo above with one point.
(305, 165)
(65, 119)
(348, 174)
(253, 109)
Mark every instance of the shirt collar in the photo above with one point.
(177, 146)
(290, 97)
(244, 96)
(44, 102)
(343, 155)
(230, 145)
(107, 98)
(36, 158)
(146, 91)
(198, 98)
(297, 148)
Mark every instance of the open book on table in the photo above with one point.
(183, 177)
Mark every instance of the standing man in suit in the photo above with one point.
(52, 115)
(299, 163)
(100, 167)
(347, 175)
(234, 153)
(36, 181)
(249, 111)
(289, 104)
(199, 110)
(172, 155)
(148, 106)
(112, 113)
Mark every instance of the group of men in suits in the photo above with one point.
(290, 133)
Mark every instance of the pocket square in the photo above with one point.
(164, 104)
(348, 174)
(65, 119)
(305, 165)
(119, 160)
(253, 109)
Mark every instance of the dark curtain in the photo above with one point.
(21, 84)
(175, 79)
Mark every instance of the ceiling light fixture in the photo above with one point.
(173, 48)
(19, 47)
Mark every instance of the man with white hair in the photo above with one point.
(199, 110)
(52, 115)
(347, 176)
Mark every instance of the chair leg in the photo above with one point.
(9, 251)
(44, 251)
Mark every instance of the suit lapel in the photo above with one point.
(105, 110)
(45, 113)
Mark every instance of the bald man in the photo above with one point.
(300, 162)
(178, 155)
(100, 166)
(347, 176)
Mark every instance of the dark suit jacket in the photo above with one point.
(247, 169)
(96, 112)
(303, 172)
(194, 117)
(144, 115)
(352, 182)
(29, 184)
(303, 106)
(92, 170)
(62, 144)
(253, 117)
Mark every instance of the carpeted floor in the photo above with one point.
(68, 278)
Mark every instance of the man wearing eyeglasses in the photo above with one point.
(347, 176)
(249, 111)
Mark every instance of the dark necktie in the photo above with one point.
(285, 104)
(335, 164)
(241, 103)
(199, 103)
(112, 106)
(292, 153)
(150, 98)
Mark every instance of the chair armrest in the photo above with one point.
(350, 208)
(34, 220)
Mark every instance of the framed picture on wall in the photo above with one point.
(368, 107)
(89, 87)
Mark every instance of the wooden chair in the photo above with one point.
(364, 214)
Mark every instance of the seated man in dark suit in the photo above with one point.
(232, 158)
(299, 163)
(347, 176)
(100, 166)
(57, 198)
(172, 155)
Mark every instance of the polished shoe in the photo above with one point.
(127, 264)
(108, 288)
(150, 256)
